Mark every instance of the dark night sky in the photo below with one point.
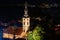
(9, 11)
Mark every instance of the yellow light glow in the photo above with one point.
(6, 35)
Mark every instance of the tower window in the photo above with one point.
(27, 23)
(24, 23)
(24, 19)
(27, 19)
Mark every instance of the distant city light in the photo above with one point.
(46, 5)
(56, 29)
(58, 25)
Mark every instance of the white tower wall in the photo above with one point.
(26, 24)
(26, 19)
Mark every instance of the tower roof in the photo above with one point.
(26, 10)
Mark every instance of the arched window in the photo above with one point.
(24, 23)
(27, 19)
(27, 23)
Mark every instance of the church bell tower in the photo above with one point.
(26, 19)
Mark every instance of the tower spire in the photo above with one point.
(26, 10)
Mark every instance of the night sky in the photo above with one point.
(9, 9)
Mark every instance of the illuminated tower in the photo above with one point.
(26, 19)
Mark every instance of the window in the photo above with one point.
(24, 19)
(27, 23)
(24, 23)
(27, 19)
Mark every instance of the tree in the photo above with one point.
(36, 34)
(30, 35)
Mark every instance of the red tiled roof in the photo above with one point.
(12, 30)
